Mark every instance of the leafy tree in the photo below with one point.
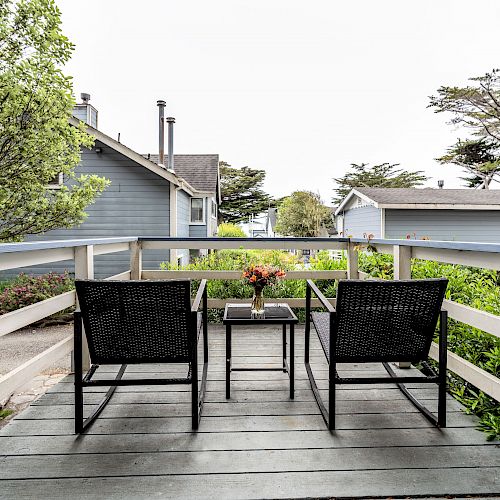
(479, 158)
(242, 193)
(37, 143)
(228, 230)
(303, 215)
(476, 108)
(385, 175)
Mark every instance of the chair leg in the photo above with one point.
(443, 358)
(331, 395)
(78, 406)
(90, 419)
(194, 396)
(77, 353)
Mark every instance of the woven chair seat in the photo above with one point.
(321, 321)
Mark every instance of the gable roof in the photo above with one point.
(136, 157)
(200, 171)
(444, 199)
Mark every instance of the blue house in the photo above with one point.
(437, 214)
(176, 196)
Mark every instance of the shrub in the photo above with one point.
(28, 289)
(228, 230)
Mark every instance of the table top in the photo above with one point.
(240, 314)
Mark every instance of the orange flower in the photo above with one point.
(253, 279)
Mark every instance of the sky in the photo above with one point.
(299, 89)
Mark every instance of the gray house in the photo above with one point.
(146, 197)
(437, 214)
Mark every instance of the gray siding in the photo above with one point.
(183, 207)
(135, 204)
(80, 113)
(198, 231)
(448, 225)
(182, 214)
(361, 220)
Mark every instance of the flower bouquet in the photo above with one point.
(259, 277)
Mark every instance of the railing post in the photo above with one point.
(352, 262)
(402, 262)
(402, 271)
(84, 269)
(135, 260)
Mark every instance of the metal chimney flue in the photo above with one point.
(161, 138)
(441, 184)
(171, 121)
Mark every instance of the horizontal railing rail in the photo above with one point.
(83, 251)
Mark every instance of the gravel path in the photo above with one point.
(20, 346)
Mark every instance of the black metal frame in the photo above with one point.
(197, 397)
(334, 379)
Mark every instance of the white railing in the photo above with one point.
(17, 255)
(481, 255)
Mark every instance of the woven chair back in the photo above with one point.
(136, 321)
(386, 320)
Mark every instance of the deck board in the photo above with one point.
(257, 445)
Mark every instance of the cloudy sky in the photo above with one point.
(300, 89)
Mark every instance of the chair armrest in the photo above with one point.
(324, 301)
(199, 295)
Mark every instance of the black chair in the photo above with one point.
(131, 322)
(380, 321)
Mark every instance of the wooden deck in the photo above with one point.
(257, 445)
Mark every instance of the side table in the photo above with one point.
(275, 314)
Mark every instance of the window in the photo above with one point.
(197, 210)
(214, 209)
(56, 182)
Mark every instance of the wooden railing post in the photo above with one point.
(352, 262)
(402, 271)
(135, 260)
(402, 262)
(84, 269)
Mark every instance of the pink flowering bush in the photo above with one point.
(28, 289)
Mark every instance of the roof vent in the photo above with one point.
(171, 121)
(161, 129)
(85, 97)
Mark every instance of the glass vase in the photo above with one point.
(257, 308)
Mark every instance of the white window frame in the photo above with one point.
(203, 210)
(57, 184)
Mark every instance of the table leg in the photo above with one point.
(284, 348)
(292, 359)
(228, 361)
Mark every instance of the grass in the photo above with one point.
(5, 413)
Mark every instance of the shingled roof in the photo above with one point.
(200, 171)
(465, 199)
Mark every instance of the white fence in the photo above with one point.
(18, 255)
